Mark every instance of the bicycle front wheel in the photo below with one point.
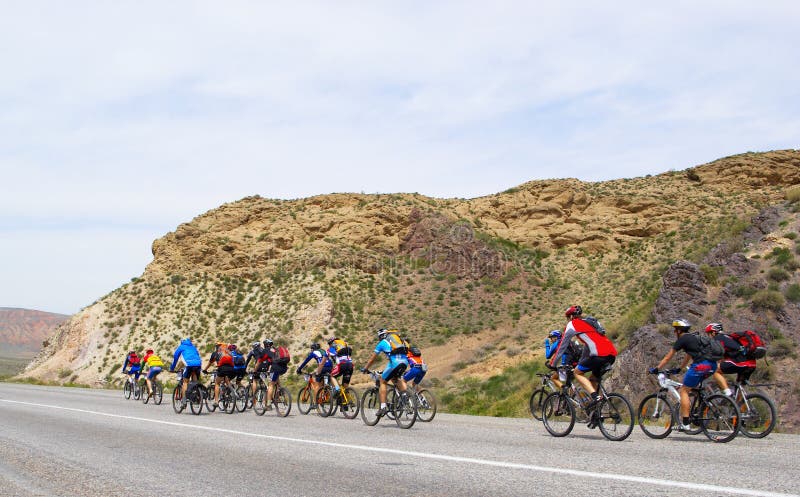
(177, 406)
(656, 416)
(158, 393)
(137, 391)
(405, 410)
(325, 401)
(259, 402)
(349, 403)
(720, 421)
(536, 402)
(558, 415)
(304, 401)
(759, 419)
(283, 402)
(616, 417)
(370, 403)
(426, 405)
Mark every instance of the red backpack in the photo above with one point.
(133, 359)
(282, 355)
(754, 347)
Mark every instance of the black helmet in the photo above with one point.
(267, 342)
(315, 346)
(331, 340)
(255, 344)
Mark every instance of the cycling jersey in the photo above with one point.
(597, 345)
(190, 355)
(333, 353)
(397, 361)
(317, 355)
(153, 361)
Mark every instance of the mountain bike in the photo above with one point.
(305, 397)
(612, 413)
(401, 406)
(757, 413)
(158, 392)
(208, 391)
(131, 387)
(329, 400)
(281, 398)
(195, 395)
(715, 414)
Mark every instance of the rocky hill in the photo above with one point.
(22, 331)
(476, 282)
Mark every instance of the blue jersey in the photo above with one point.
(384, 347)
(190, 354)
(317, 355)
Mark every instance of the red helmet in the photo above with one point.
(231, 347)
(714, 328)
(574, 310)
(149, 351)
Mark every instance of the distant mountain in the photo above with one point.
(22, 331)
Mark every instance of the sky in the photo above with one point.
(121, 120)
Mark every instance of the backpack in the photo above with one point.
(754, 347)
(710, 349)
(342, 349)
(133, 359)
(238, 359)
(282, 355)
(399, 346)
(594, 323)
(225, 357)
(574, 350)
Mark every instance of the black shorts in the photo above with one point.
(325, 371)
(598, 365)
(277, 371)
(345, 370)
(226, 372)
(744, 372)
(240, 373)
(188, 370)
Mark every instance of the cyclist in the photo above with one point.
(278, 368)
(153, 363)
(599, 352)
(395, 349)
(570, 357)
(416, 368)
(191, 357)
(700, 369)
(258, 353)
(224, 361)
(239, 364)
(134, 365)
(324, 366)
(733, 362)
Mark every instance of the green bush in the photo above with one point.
(792, 293)
(793, 194)
(768, 299)
(777, 274)
(782, 347)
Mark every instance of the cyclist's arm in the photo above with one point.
(550, 348)
(666, 359)
(303, 364)
(371, 360)
(175, 356)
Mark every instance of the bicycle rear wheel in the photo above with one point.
(241, 398)
(325, 401)
(259, 402)
(176, 399)
(228, 399)
(536, 402)
(616, 417)
(759, 420)
(158, 393)
(127, 390)
(370, 403)
(137, 391)
(195, 397)
(208, 397)
(145, 396)
(426, 405)
(304, 401)
(558, 415)
(283, 402)
(405, 410)
(656, 416)
(720, 421)
(348, 398)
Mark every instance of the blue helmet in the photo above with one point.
(554, 334)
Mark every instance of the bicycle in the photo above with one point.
(579, 395)
(330, 400)
(401, 406)
(715, 414)
(612, 413)
(305, 397)
(131, 388)
(157, 395)
(195, 395)
(281, 398)
(757, 413)
(227, 394)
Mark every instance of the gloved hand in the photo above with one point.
(674, 371)
(297, 371)
(550, 366)
(652, 370)
(205, 371)
(363, 370)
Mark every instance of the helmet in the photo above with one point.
(267, 342)
(681, 324)
(554, 334)
(415, 350)
(231, 347)
(714, 328)
(315, 346)
(255, 344)
(382, 333)
(149, 351)
(220, 344)
(574, 310)
(131, 352)
(331, 339)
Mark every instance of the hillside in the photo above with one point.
(22, 331)
(476, 282)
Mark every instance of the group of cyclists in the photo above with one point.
(405, 364)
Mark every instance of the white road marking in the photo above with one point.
(440, 457)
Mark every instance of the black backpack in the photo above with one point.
(710, 349)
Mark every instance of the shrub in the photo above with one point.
(768, 299)
(782, 347)
(793, 194)
(792, 293)
(777, 274)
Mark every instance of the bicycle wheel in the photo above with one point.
(304, 403)
(259, 404)
(348, 399)
(208, 397)
(145, 396)
(228, 399)
(405, 410)
(158, 393)
(656, 416)
(137, 391)
(720, 421)
(370, 403)
(127, 389)
(282, 400)
(616, 417)
(426, 405)
(241, 398)
(759, 420)
(536, 402)
(391, 401)
(176, 400)
(558, 415)
(195, 397)
(325, 401)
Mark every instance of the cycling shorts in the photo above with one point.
(226, 372)
(188, 371)
(153, 372)
(325, 370)
(396, 367)
(345, 370)
(698, 372)
(239, 373)
(744, 372)
(135, 372)
(262, 367)
(596, 364)
(277, 371)
(415, 374)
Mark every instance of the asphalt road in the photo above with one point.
(69, 441)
